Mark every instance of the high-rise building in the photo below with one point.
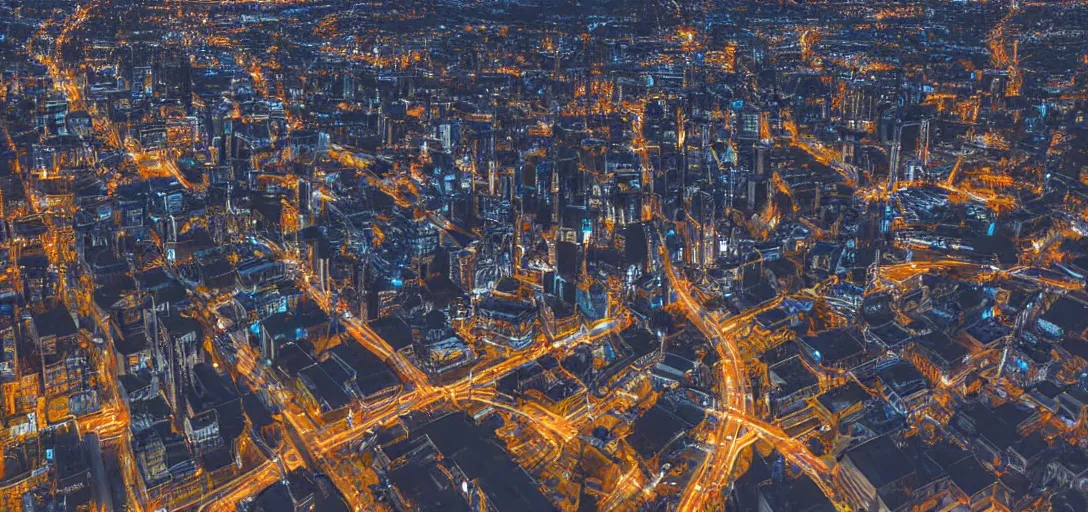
(893, 163)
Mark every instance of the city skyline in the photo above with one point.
(536, 255)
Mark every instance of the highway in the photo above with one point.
(370, 340)
(735, 423)
(714, 471)
(737, 412)
(319, 445)
(324, 444)
(362, 165)
(457, 392)
(818, 151)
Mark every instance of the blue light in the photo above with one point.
(817, 356)
(398, 282)
(255, 328)
(300, 333)
(1023, 365)
(993, 228)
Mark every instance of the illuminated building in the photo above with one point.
(72, 472)
(181, 339)
(1065, 316)
(9, 357)
(322, 393)
(488, 473)
(801, 495)
(360, 372)
(213, 419)
(54, 109)
(152, 137)
(905, 389)
(134, 348)
(287, 327)
(51, 330)
(789, 384)
(877, 475)
(301, 491)
(593, 302)
(702, 222)
(557, 317)
(678, 366)
(843, 406)
(939, 357)
(422, 239)
(834, 351)
(445, 354)
(513, 322)
(661, 430)
(994, 434)
(859, 104)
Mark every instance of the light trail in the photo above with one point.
(819, 152)
(460, 391)
(716, 470)
(713, 470)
